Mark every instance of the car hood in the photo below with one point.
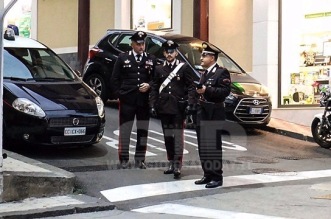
(55, 96)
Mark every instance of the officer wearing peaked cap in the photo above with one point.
(171, 92)
(131, 79)
(210, 48)
(215, 87)
(139, 37)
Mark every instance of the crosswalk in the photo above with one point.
(155, 145)
(194, 211)
(132, 192)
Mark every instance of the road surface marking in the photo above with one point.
(191, 211)
(114, 142)
(163, 188)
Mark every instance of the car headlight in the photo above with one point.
(26, 106)
(100, 106)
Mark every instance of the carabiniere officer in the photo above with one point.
(131, 78)
(172, 91)
(215, 86)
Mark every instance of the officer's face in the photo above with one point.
(170, 55)
(207, 60)
(139, 48)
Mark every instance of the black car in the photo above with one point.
(44, 101)
(248, 104)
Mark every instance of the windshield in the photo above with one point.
(35, 63)
(192, 51)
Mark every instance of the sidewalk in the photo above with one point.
(34, 189)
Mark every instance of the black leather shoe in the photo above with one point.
(124, 164)
(214, 184)
(140, 165)
(176, 173)
(203, 180)
(170, 169)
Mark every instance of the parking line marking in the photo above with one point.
(163, 188)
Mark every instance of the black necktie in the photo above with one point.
(138, 58)
(170, 65)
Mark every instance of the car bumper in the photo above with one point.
(50, 131)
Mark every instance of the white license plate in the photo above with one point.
(74, 131)
(255, 110)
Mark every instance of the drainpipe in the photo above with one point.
(3, 12)
(83, 32)
(200, 19)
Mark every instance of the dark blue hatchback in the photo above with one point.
(44, 100)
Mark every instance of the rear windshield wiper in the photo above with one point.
(18, 79)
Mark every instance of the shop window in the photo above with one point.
(151, 14)
(306, 51)
(19, 17)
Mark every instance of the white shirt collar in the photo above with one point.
(211, 67)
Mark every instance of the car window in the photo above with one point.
(105, 43)
(41, 64)
(124, 43)
(191, 50)
(154, 46)
(14, 67)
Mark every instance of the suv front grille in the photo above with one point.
(63, 122)
(244, 109)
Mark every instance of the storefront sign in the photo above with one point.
(318, 15)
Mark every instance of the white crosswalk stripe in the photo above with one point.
(194, 211)
(164, 188)
(132, 192)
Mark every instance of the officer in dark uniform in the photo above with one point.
(131, 79)
(213, 88)
(172, 91)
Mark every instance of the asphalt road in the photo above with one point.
(246, 152)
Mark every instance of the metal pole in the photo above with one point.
(3, 13)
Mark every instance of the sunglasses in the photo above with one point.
(204, 54)
(169, 51)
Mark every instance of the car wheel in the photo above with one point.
(97, 83)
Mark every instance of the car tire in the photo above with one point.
(98, 84)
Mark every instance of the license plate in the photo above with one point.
(255, 110)
(74, 131)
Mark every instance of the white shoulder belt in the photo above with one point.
(170, 77)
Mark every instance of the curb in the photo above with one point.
(288, 133)
(86, 204)
(37, 180)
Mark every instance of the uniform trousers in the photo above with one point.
(173, 131)
(128, 113)
(209, 130)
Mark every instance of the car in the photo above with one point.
(45, 102)
(248, 104)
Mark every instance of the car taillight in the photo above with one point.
(93, 52)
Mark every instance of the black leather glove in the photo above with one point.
(191, 109)
(152, 112)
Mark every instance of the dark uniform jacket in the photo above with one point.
(218, 84)
(128, 74)
(218, 87)
(181, 88)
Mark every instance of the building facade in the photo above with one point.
(285, 44)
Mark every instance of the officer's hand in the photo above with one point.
(152, 112)
(191, 109)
